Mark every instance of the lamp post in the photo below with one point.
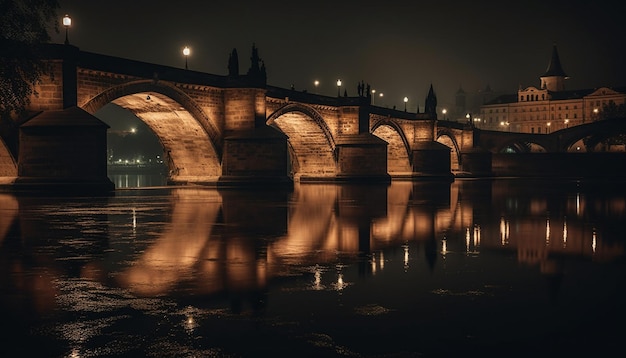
(406, 99)
(373, 95)
(186, 52)
(338, 88)
(67, 22)
(316, 83)
(444, 111)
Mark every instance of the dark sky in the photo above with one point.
(399, 47)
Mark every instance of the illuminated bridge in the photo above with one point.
(230, 130)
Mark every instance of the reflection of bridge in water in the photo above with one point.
(239, 241)
(234, 129)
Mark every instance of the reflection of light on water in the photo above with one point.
(340, 284)
(134, 219)
(578, 204)
(317, 283)
(476, 236)
(190, 322)
(444, 246)
(564, 233)
(504, 232)
(406, 257)
(378, 264)
(593, 241)
(472, 239)
(547, 231)
(373, 263)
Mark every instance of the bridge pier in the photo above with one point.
(476, 162)
(256, 157)
(63, 151)
(430, 160)
(363, 158)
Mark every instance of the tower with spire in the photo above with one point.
(554, 77)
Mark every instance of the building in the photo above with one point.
(550, 107)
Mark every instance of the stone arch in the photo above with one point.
(448, 139)
(398, 149)
(311, 144)
(8, 167)
(191, 143)
(517, 146)
(596, 136)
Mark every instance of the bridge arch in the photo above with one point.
(8, 167)
(447, 138)
(311, 144)
(190, 141)
(398, 148)
(595, 136)
(520, 146)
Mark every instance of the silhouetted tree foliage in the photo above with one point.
(24, 24)
(612, 110)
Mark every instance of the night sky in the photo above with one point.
(399, 47)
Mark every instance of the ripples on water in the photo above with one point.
(506, 268)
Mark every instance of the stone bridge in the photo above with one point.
(231, 130)
(589, 137)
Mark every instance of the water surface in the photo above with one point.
(477, 267)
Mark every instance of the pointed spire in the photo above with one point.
(430, 106)
(554, 68)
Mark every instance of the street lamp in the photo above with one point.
(444, 111)
(373, 95)
(406, 99)
(67, 22)
(316, 83)
(186, 52)
(338, 88)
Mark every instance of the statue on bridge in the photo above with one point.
(233, 64)
(257, 66)
(364, 90)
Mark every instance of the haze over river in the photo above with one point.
(416, 269)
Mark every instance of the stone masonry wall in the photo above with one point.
(49, 91)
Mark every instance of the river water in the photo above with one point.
(425, 269)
